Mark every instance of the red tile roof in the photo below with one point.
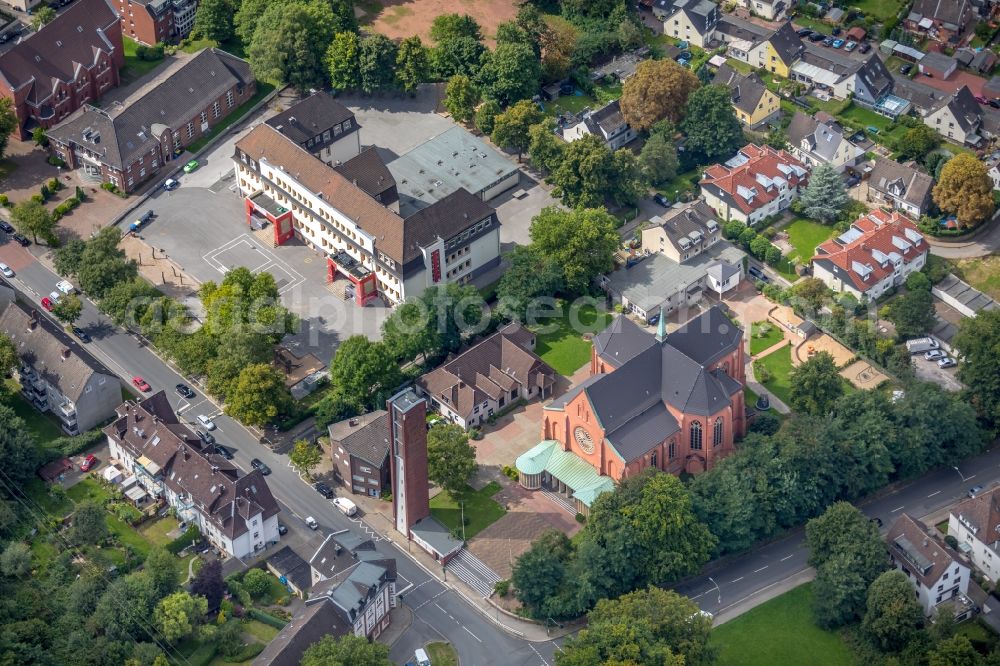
(762, 164)
(869, 244)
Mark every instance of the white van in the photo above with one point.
(347, 506)
(421, 657)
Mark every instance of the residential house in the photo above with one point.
(826, 70)
(740, 37)
(71, 61)
(693, 21)
(673, 402)
(682, 258)
(353, 596)
(771, 10)
(900, 186)
(758, 182)
(935, 571)
(378, 251)
(820, 139)
(975, 524)
(151, 22)
(937, 65)
(873, 87)
(359, 448)
(877, 253)
(779, 51)
(236, 512)
(922, 98)
(57, 375)
(321, 125)
(958, 118)
(753, 104)
(608, 123)
(947, 21)
(127, 144)
(487, 377)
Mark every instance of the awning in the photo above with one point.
(926, 23)
(567, 467)
(135, 493)
(148, 465)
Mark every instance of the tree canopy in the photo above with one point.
(32, 218)
(290, 42)
(965, 189)
(348, 650)
(824, 198)
(658, 89)
(816, 384)
(461, 97)
(364, 369)
(451, 458)
(512, 128)
(582, 241)
(259, 395)
(893, 616)
(509, 73)
(977, 342)
(710, 125)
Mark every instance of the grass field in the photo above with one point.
(779, 364)
(442, 654)
(780, 631)
(480, 509)
(577, 103)
(880, 10)
(42, 427)
(805, 235)
(680, 185)
(157, 532)
(263, 90)
(560, 340)
(983, 274)
(771, 337)
(860, 118)
(134, 67)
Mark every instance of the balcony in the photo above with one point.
(67, 410)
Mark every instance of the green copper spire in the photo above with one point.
(661, 327)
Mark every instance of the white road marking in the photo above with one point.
(737, 580)
(934, 493)
(787, 557)
(898, 508)
(432, 598)
(404, 590)
(474, 636)
(761, 569)
(537, 653)
(699, 595)
(970, 477)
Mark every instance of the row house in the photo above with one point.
(958, 118)
(366, 242)
(151, 22)
(945, 21)
(607, 123)
(975, 524)
(71, 61)
(127, 144)
(236, 512)
(937, 574)
(758, 182)
(876, 254)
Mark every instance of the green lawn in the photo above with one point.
(480, 509)
(134, 67)
(983, 274)
(976, 631)
(199, 44)
(262, 632)
(263, 90)
(772, 336)
(780, 631)
(156, 532)
(680, 185)
(860, 118)
(43, 427)
(779, 364)
(813, 24)
(603, 94)
(560, 339)
(805, 235)
(442, 654)
(880, 10)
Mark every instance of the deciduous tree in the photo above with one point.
(824, 198)
(258, 396)
(412, 64)
(512, 128)
(364, 369)
(209, 584)
(89, 525)
(531, 274)
(9, 360)
(15, 562)
(659, 158)
(290, 43)
(977, 342)
(586, 173)
(31, 218)
(161, 568)
(965, 190)
(304, 456)
(247, 17)
(348, 650)
(376, 60)
(257, 582)
(955, 651)
(510, 73)
(893, 616)
(545, 149)
(457, 55)
(711, 127)
(177, 615)
(461, 97)
(486, 116)
(451, 458)
(68, 309)
(449, 26)
(916, 142)
(342, 61)
(214, 19)
(43, 16)
(815, 384)
(582, 241)
(912, 313)
(541, 570)
(658, 89)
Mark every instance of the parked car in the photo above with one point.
(206, 437)
(282, 529)
(859, 136)
(141, 384)
(257, 463)
(850, 46)
(947, 362)
(828, 41)
(21, 240)
(803, 32)
(66, 287)
(836, 32)
(817, 37)
(934, 355)
(758, 274)
(852, 181)
(191, 166)
(975, 490)
(81, 334)
(662, 200)
(654, 320)
(323, 489)
(311, 522)
(347, 506)
(6, 228)
(6, 270)
(207, 422)
(905, 69)
(919, 345)
(88, 462)
(865, 48)
(47, 303)
(223, 451)
(837, 43)
(170, 184)
(184, 391)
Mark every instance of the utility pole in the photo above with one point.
(462, 504)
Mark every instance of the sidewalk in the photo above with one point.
(760, 389)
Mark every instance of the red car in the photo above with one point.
(141, 384)
(88, 462)
(47, 303)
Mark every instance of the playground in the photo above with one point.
(822, 343)
(862, 375)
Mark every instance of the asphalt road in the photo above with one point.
(439, 612)
(726, 584)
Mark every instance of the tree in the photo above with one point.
(364, 369)
(68, 258)
(257, 582)
(412, 64)
(15, 562)
(214, 20)
(348, 650)
(582, 241)
(965, 190)
(376, 60)
(815, 385)
(89, 525)
(17, 448)
(125, 608)
(9, 360)
(710, 124)
(893, 616)
(541, 569)
(461, 97)
(342, 61)
(451, 459)
(160, 566)
(824, 198)
(209, 584)
(8, 123)
(68, 309)
(955, 651)
(432, 324)
(290, 42)
(759, 246)
(648, 626)
(545, 148)
(586, 174)
(510, 73)
(512, 128)
(247, 17)
(449, 26)
(658, 158)
(31, 218)
(43, 16)
(917, 142)
(912, 313)
(658, 89)
(40, 138)
(457, 55)
(976, 342)
(486, 116)
(177, 615)
(813, 293)
(628, 184)
(530, 274)
(305, 456)
(918, 281)
(258, 396)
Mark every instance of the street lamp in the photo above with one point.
(964, 479)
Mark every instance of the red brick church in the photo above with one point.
(670, 401)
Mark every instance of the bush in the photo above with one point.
(55, 161)
(246, 653)
(266, 618)
(951, 541)
(580, 518)
(257, 582)
(54, 185)
(4, 200)
(760, 371)
(183, 541)
(511, 472)
(81, 196)
(501, 588)
(765, 424)
(38, 197)
(44, 191)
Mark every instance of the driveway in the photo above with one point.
(929, 371)
(986, 243)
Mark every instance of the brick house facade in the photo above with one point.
(152, 21)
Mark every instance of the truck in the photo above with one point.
(921, 345)
(139, 223)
